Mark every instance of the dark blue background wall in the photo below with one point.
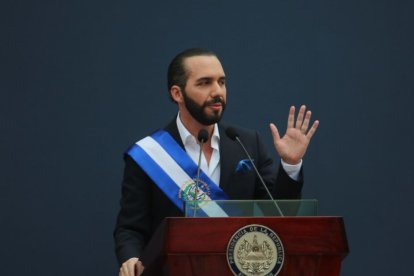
(82, 80)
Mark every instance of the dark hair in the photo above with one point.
(177, 74)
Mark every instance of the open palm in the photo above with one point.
(293, 145)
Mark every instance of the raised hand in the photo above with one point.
(293, 145)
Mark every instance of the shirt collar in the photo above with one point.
(188, 138)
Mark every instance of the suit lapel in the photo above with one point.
(228, 160)
(172, 129)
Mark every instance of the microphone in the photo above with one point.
(233, 135)
(202, 138)
(202, 135)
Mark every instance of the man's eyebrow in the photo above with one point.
(204, 79)
(210, 78)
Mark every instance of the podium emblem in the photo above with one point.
(255, 250)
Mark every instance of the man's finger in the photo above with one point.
(140, 268)
(291, 117)
(124, 271)
(305, 124)
(275, 132)
(128, 268)
(299, 120)
(313, 129)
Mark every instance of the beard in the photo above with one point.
(198, 112)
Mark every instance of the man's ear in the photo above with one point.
(176, 94)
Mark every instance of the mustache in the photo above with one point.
(215, 100)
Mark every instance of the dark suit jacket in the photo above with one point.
(144, 205)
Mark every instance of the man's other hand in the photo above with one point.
(132, 267)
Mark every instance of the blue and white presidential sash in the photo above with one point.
(174, 172)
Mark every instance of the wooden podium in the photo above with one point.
(197, 246)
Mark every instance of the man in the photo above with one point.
(197, 84)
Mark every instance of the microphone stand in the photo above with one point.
(260, 177)
(198, 177)
(202, 138)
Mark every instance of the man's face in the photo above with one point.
(205, 91)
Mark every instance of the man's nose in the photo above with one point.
(218, 89)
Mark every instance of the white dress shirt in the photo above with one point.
(212, 169)
(192, 148)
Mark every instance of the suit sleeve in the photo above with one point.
(278, 182)
(132, 229)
